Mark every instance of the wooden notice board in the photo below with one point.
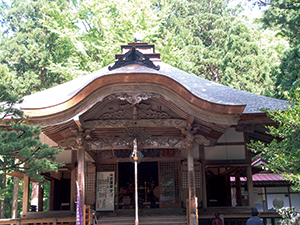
(105, 193)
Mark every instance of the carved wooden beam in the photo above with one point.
(126, 142)
(69, 143)
(201, 140)
(178, 123)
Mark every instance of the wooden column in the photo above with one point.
(192, 188)
(51, 198)
(204, 193)
(25, 194)
(73, 190)
(238, 188)
(40, 198)
(250, 186)
(73, 182)
(80, 174)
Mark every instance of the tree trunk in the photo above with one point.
(2, 205)
(35, 194)
(14, 209)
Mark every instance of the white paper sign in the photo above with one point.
(105, 194)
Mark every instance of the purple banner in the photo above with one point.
(79, 219)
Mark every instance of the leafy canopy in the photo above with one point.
(284, 16)
(18, 139)
(28, 48)
(283, 153)
(207, 39)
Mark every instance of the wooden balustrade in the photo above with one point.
(50, 218)
(40, 221)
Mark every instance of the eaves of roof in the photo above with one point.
(201, 88)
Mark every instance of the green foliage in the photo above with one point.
(289, 216)
(283, 153)
(96, 29)
(19, 139)
(7, 196)
(46, 197)
(205, 38)
(284, 15)
(22, 141)
(289, 69)
(28, 48)
(49, 42)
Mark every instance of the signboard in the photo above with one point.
(105, 193)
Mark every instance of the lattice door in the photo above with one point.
(90, 182)
(169, 183)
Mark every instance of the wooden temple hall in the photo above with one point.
(191, 137)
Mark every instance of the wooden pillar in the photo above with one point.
(238, 188)
(250, 186)
(192, 188)
(204, 192)
(73, 181)
(26, 185)
(73, 190)
(51, 198)
(80, 174)
(40, 197)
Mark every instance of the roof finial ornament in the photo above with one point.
(134, 56)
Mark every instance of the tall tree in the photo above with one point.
(96, 29)
(284, 16)
(19, 140)
(205, 38)
(283, 153)
(28, 48)
(14, 208)
(201, 37)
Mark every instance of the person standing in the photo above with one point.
(217, 220)
(254, 220)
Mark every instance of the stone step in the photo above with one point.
(145, 220)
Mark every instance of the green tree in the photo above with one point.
(207, 39)
(28, 48)
(78, 37)
(18, 139)
(96, 29)
(21, 140)
(283, 153)
(284, 16)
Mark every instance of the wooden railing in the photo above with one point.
(50, 218)
(41, 221)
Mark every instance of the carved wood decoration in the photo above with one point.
(133, 98)
(201, 140)
(69, 143)
(126, 142)
(140, 111)
(178, 123)
(133, 57)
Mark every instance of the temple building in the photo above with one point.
(191, 136)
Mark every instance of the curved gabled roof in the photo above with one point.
(202, 89)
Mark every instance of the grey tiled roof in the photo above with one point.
(202, 88)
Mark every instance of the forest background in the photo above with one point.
(48, 42)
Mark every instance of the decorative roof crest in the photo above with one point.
(134, 56)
